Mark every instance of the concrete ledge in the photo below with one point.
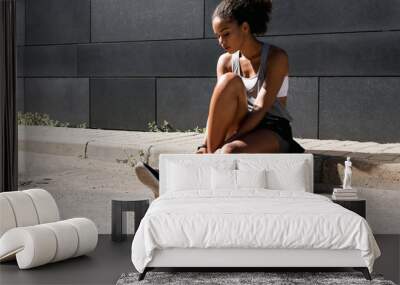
(375, 165)
(85, 168)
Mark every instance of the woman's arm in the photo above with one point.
(277, 69)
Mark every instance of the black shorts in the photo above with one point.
(282, 127)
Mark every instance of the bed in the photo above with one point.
(247, 210)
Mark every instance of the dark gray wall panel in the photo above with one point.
(302, 103)
(365, 109)
(316, 16)
(127, 104)
(354, 54)
(127, 20)
(61, 21)
(209, 7)
(64, 99)
(328, 16)
(20, 60)
(50, 61)
(160, 58)
(184, 102)
(20, 94)
(20, 21)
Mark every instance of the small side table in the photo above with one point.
(358, 206)
(119, 206)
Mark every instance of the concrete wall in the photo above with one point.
(120, 64)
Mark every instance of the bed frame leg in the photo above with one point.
(143, 274)
(364, 271)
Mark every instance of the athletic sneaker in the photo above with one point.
(148, 177)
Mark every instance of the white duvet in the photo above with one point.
(250, 219)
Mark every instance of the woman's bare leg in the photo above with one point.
(228, 107)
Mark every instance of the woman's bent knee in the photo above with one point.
(230, 86)
(230, 78)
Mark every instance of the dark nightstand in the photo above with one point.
(119, 206)
(358, 206)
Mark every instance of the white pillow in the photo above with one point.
(290, 175)
(192, 175)
(222, 179)
(251, 178)
(291, 178)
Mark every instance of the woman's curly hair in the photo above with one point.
(254, 12)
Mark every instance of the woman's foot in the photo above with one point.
(147, 177)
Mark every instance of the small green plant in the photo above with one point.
(166, 127)
(40, 119)
(197, 129)
(152, 126)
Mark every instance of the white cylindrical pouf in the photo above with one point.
(31, 233)
(87, 233)
(7, 218)
(45, 205)
(23, 207)
(34, 245)
(67, 239)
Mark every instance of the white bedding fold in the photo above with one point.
(250, 219)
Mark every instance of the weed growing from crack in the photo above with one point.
(41, 119)
(166, 127)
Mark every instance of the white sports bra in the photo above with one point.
(250, 82)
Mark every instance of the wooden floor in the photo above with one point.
(111, 259)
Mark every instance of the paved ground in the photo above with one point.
(82, 187)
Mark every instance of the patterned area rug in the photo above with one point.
(243, 278)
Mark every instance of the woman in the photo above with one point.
(247, 111)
